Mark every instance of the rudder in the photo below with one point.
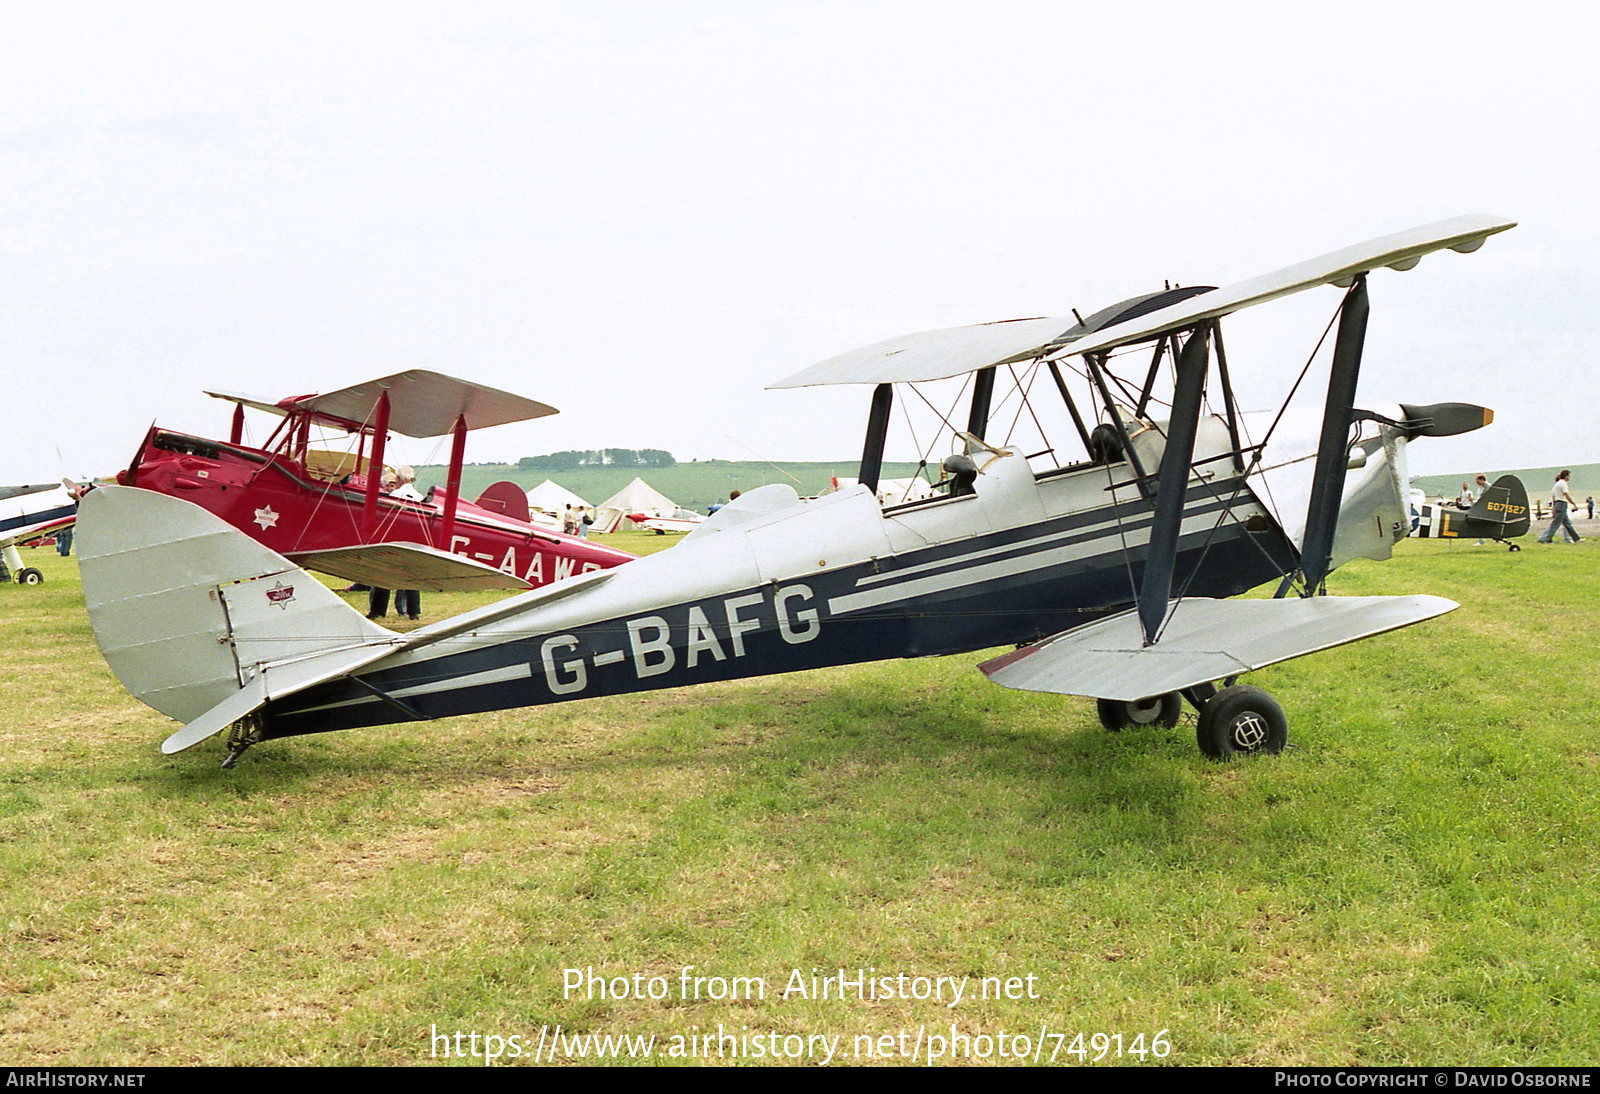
(1505, 503)
(187, 610)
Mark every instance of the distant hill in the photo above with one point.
(692, 485)
(703, 483)
(1585, 480)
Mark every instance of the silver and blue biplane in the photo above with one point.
(1109, 571)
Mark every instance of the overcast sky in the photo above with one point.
(643, 213)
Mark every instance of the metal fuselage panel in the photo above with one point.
(831, 581)
(272, 499)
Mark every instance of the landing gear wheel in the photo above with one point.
(29, 576)
(1514, 546)
(1158, 710)
(1239, 721)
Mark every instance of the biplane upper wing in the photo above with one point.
(1203, 640)
(246, 400)
(934, 354)
(9, 492)
(1400, 251)
(421, 403)
(406, 566)
(952, 351)
(427, 404)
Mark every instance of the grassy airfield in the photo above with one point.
(1413, 882)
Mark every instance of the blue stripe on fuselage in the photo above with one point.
(783, 627)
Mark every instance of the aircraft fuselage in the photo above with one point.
(785, 584)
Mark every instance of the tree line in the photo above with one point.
(598, 457)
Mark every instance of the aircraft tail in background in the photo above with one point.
(1505, 503)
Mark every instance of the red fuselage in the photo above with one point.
(273, 498)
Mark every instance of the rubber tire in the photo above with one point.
(1241, 721)
(1159, 710)
(29, 576)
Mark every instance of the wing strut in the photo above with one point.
(1172, 481)
(877, 431)
(1097, 374)
(1327, 480)
(380, 434)
(1072, 407)
(982, 394)
(452, 482)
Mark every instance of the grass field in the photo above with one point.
(1412, 882)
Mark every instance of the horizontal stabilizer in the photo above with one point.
(1203, 641)
(277, 679)
(407, 566)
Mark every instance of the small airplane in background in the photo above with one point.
(1104, 555)
(1501, 514)
(346, 514)
(29, 524)
(662, 521)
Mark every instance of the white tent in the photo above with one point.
(637, 497)
(554, 498)
(894, 491)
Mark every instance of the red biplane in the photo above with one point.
(346, 514)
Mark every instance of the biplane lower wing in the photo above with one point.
(406, 566)
(1203, 641)
(34, 526)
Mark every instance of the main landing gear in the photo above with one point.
(1160, 710)
(12, 569)
(1235, 720)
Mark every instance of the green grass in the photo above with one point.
(1412, 882)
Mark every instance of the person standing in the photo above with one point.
(1479, 485)
(1560, 502)
(407, 603)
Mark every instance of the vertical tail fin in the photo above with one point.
(1504, 503)
(188, 610)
